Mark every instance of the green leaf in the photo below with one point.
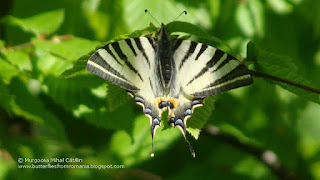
(19, 58)
(164, 11)
(2, 44)
(43, 23)
(280, 6)
(31, 108)
(186, 27)
(137, 149)
(81, 96)
(5, 96)
(80, 66)
(7, 71)
(71, 48)
(95, 19)
(284, 68)
(200, 117)
(250, 18)
(55, 56)
(117, 96)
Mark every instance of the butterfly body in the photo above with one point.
(164, 73)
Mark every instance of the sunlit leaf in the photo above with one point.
(250, 18)
(19, 59)
(69, 48)
(7, 71)
(44, 23)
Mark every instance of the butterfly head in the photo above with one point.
(163, 33)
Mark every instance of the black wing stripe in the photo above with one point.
(122, 56)
(203, 48)
(106, 47)
(227, 60)
(99, 67)
(150, 82)
(215, 58)
(223, 88)
(177, 43)
(128, 41)
(139, 45)
(191, 49)
(151, 41)
(98, 59)
(239, 71)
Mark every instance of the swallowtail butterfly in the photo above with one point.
(164, 73)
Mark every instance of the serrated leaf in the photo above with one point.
(116, 96)
(43, 23)
(70, 93)
(80, 65)
(282, 67)
(76, 96)
(200, 117)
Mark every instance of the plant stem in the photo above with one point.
(266, 76)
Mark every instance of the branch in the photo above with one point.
(267, 157)
(266, 76)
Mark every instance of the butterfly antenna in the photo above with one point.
(183, 12)
(146, 11)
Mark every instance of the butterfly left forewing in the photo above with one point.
(130, 64)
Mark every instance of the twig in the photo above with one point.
(266, 76)
(267, 157)
(21, 46)
(30, 44)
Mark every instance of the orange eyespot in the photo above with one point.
(174, 102)
(159, 100)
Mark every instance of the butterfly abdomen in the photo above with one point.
(165, 57)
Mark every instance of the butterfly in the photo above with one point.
(164, 73)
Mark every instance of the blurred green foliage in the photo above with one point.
(51, 107)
